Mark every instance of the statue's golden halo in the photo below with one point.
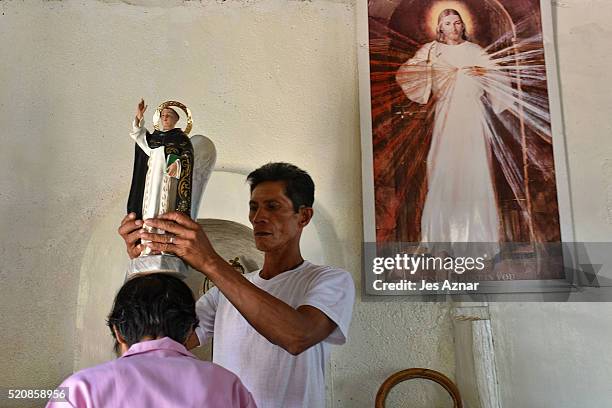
(162, 106)
(439, 6)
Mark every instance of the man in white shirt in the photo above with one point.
(272, 327)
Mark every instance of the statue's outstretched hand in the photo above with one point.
(140, 109)
(130, 232)
(184, 238)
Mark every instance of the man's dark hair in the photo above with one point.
(154, 305)
(299, 187)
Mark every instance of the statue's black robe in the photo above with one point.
(174, 142)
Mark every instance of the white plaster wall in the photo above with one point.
(557, 354)
(266, 80)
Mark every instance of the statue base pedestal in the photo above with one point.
(157, 263)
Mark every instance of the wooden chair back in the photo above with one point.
(414, 373)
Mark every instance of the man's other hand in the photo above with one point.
(184, 238)
(192, 341)
(130, 232)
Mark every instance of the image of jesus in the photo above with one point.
(460, 204)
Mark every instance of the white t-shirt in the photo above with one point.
(276, 378)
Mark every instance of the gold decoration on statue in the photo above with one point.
(235, 263)
(167, 104)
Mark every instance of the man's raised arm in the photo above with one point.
(295, 330)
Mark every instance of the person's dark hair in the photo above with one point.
(155, 305)
(299, 187)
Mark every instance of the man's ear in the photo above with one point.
(118, 336)
(121, 347)
(306, 214)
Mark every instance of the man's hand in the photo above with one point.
(184, 238)
(293, 330)
(140, 110)
(130, 232)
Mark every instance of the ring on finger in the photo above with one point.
(172, 240)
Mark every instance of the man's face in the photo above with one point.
(168, 119)
(275, 224)
(452, 27)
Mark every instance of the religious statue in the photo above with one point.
(170, 172)
(168, 151)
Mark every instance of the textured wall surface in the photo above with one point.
(554, 354)
(266, 80)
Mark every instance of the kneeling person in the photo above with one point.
(152, 318)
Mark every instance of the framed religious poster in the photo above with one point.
(464, 165)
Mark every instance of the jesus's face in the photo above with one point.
(452, 29)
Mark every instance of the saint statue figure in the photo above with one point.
(171, 172)
(164, 151)
(460, 205)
